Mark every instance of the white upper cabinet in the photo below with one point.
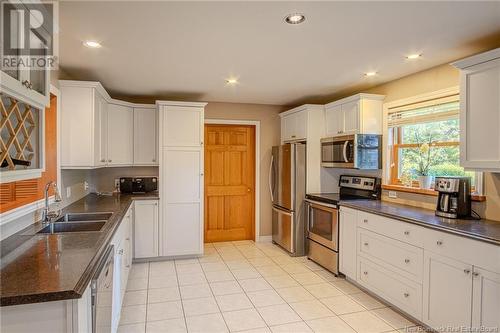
(480, 111)
(31, 86)
(306, 123)
(120, 135)
(182, 126)
(98, 131)
(361, 113)
(145, 136)
(294, 124)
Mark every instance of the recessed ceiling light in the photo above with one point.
(231, 81)
(295, 18)
(92, 44)
(370, 73)
(413, 56)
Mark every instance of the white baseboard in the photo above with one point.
(264, 239)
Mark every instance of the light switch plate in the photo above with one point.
(393, 194)
(85, 185)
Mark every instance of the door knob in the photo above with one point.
(248, 190)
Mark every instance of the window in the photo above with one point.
(424, 140)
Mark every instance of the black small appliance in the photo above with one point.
(454, 198)
(138, 184)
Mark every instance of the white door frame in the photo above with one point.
(255, 123)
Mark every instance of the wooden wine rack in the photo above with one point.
(17, 124)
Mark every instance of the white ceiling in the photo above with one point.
(185, 50)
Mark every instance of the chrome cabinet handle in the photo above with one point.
(365, 273)
(439, 243)
(467, 271)
(407, 233)
(407, 261)
(475, 274)
(103, 160)
(365, 221)
(366, 244)
(110, 161)
(406, 295)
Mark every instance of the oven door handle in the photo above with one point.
(345, 151)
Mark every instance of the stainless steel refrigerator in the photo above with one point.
(287, 185)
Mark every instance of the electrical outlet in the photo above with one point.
(85, 185)
(68, 192)
(393, 194)
(117, 183)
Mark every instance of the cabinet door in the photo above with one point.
(146, 229)
(182, 126)
(288, 124)
(181, 194)
(120, 135)
(347, 242)
(486, 298)
(447, 292)
(480, 116)
(101, 130)
(350, 113)
(145, 136)
(301, 125)
(334, 121)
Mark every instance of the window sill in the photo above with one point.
(423, 191)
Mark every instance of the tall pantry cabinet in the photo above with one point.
(181, 177)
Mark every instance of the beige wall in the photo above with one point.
(269, 136)
(441, 77)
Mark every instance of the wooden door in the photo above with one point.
(229, 182)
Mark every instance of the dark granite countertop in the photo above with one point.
(40, 268)
(483, 230)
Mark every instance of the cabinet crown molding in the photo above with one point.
(477, 59)
(355, 97)
(180, 103)
(302, 108)
(102, 91)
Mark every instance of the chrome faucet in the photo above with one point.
(46, 214)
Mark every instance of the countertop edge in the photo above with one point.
(86, 277)
(421, 223)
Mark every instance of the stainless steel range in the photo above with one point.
(323, 217)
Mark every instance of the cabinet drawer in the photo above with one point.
(402, 231)
(406, 259)
(463, 249)
(403, 293)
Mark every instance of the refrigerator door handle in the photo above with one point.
(345, 151)
(270, 180)
(282, 211)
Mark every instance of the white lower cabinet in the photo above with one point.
(122, 241)
(447, 292)
(347, 242)
(447, 281)
(485, 298)
(402, 292)
(146, 235)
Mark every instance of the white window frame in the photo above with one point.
(413, 100)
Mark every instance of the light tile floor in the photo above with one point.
(249, 287)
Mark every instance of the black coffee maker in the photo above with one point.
(454, 199)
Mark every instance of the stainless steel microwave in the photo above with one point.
(356, 151)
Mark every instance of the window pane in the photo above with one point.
(439, 131)
(444, 161)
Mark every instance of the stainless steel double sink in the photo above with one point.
(76, 222)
